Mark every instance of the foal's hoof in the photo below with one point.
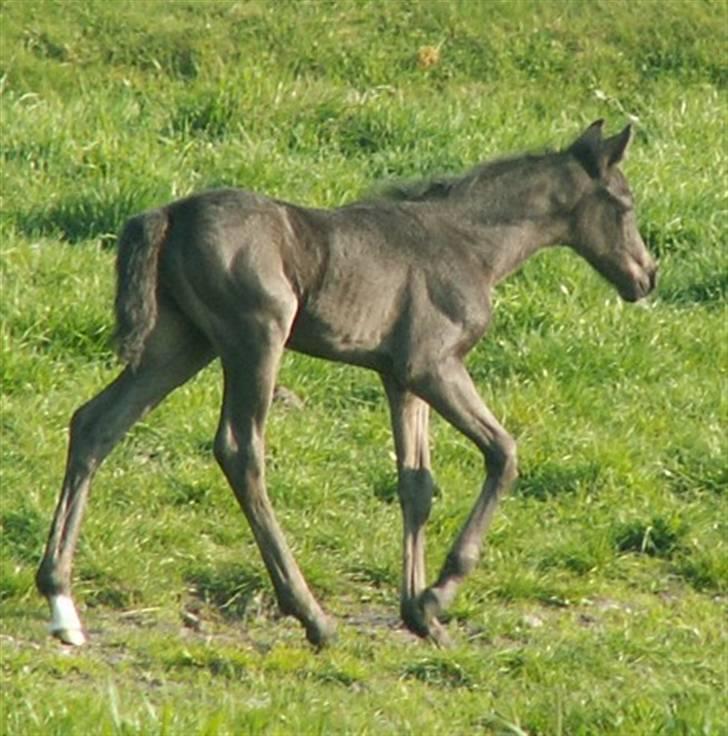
(321, 633)
(438, 635)
(72, 637)
(420, 617)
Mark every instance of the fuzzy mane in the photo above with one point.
(441, 187)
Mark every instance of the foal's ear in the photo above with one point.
(588, 149)
(592, 135)
(615, 148)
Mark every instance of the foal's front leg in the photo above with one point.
(450, 390)
(410, 424)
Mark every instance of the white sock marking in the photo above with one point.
(65, 623)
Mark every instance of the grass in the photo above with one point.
(598, 606)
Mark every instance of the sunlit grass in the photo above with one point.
(597, 607)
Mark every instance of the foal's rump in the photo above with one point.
(210, 256)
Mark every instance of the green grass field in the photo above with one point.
(599, 604)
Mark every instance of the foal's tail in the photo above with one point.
(136, 282)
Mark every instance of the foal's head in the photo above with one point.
(604, 226)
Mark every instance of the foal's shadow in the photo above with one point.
(235, 592)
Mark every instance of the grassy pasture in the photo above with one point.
(599, 604)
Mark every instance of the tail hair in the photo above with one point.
(136, 282)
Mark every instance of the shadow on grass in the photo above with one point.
(712, 292)
(547, 480)
(88, 214)
(98, 587)
(704, 571)
(695, 470)
(234, 591)
(438, 671)
(23, 535)
(658, 537)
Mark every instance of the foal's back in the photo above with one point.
(368, 280)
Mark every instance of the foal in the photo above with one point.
(399, 285)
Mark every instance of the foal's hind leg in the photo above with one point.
(410, 420)
(250, 364)
(171, 357)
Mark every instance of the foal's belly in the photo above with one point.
(358, 342)
(352, 321)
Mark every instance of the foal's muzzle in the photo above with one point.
(644, 283)
(650, 279)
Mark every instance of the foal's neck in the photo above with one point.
(503, 242)
(513, 209)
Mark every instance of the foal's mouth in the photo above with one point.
(638, 282)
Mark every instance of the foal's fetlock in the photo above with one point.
(413, 616)
(321, 633)
(421, 616)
